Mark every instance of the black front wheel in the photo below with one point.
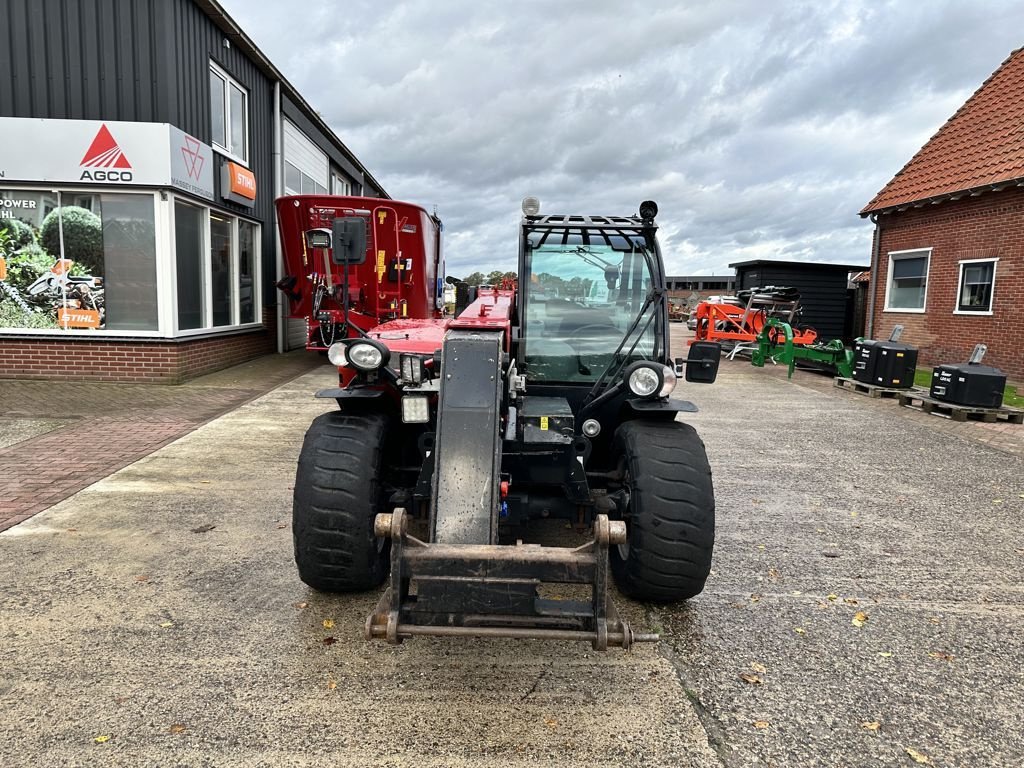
(338, 492)
(670, 514)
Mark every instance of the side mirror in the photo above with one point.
(349, 239)
(702, 364)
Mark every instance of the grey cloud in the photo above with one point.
(761, 129)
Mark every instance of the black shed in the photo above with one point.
(825, 295)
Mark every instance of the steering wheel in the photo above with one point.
(591, 345)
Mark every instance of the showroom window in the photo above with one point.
(977, 286)
(907, 286)
(229, 114)
(188, 246)
(79, 261)
(218, 287)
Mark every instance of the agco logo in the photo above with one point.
(103, 154)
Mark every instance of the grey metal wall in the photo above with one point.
(134, 60)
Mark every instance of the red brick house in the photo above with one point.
(948, 252)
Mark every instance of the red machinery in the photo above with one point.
(400, 276)
(741, 321)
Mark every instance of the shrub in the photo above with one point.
(83, 237)
(19, 234)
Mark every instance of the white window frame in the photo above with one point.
(960, 286)
(207, 264)
(230, 152)
(912, 253)
(340, 185)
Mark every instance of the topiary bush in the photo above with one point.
(83, 237)
(19, 234)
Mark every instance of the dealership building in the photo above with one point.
(142, 144)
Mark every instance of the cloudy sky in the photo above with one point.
(760, 128)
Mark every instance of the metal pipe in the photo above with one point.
(278, 191)
(415, 630)
(876, 247)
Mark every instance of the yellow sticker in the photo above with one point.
(543, 422)
(381, 215)
(380, 265)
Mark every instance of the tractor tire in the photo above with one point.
(338, 493)
(671, 512)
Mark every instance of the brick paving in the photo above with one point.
(103, 427)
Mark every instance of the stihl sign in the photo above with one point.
(105, 152)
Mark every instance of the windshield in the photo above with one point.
(581, 300)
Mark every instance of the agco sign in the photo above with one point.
(105, 153)
(104, 160)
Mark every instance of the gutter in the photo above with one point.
(876, 247)
(278, 191)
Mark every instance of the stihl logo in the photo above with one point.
(105, 153)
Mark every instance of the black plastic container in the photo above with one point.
(884, 363)
(972, 384)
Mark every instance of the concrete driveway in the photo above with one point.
(155, 618)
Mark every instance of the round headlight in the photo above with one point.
(668, 381)
(366, 356)
(336, 354)
(531, 206)
(644, 380)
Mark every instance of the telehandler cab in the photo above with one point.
(547, 401)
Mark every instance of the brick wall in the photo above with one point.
(991, 225)
(157, 361)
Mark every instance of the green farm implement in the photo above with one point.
(775, 344)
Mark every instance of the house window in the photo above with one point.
(229, 113)
(977, 285)
(340, 185)
(908, 281)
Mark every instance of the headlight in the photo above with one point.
(367, 356)
(336, 354)
(645, 380)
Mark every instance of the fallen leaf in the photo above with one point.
(760, 546)
(859, 619)
(873, 725)
(102, 739)
(755, 598)
(328, 623)
(917, 757)
(851, 600)
(205, 482)
(749, 678)
(757, 667)
(941, 656)
(143, 577)
(329, 640)
(773, 574)
(819, 530)
(72, 530)
(933, 619)
(166, 624)
(830, 554)
(853, 514)
(800, 630)
(203, 528)
(833, 596)
(550, 722)
(300, 606)
(760, 723)
(282, 525)
(997, 501)
(177, 728)
(332, 684)
(885, 654)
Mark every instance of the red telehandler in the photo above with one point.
(547, 401)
